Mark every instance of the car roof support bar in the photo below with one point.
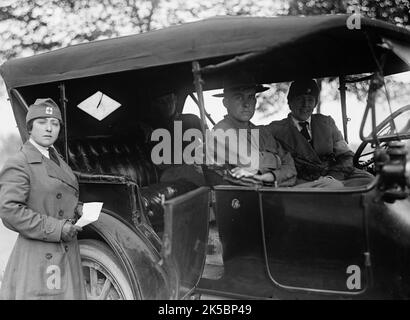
(196, 70)
(63, 103)
(342, 89)
(233, 62)
(375, 84)
(197, 103)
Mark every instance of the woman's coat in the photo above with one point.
(36, 197)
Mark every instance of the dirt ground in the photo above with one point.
(7, 239)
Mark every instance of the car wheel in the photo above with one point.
(104, 276)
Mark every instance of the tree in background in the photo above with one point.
(9, 145)
(33, 26)
(392, 11)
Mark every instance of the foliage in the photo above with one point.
(393, 11)
(32, 26)
(9, 145)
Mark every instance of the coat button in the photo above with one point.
(59, 195)
(66, 248)
(49, 256)
(76, 194)
(61, 213)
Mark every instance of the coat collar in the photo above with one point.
(62, 172)
(31, 152)
(296, 121)
(301, 144)
(237, 124)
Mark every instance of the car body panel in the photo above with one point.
(185, 238)
(309, 244)
(149, 279)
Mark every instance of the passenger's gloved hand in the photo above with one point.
(69, 231)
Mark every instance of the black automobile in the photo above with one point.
(180, 236)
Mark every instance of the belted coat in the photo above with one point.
(36, 198)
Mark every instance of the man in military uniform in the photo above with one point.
(316, 144)
(273, 164)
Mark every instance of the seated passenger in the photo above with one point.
(273, 165)
(316, 144)
(166, 106)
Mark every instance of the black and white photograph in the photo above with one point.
(211, 152)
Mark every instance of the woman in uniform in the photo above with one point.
(38, 199)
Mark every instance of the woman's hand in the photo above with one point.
(79, 210)
(69, 231)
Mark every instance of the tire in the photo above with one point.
(103, 273)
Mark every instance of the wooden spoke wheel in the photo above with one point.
(104, 276)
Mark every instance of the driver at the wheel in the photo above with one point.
(316, 144)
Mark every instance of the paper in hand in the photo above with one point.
(91, 212)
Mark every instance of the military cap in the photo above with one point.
(43, 108)
(303, 87)
(239, 80)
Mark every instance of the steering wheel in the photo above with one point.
(385, 132)
(365, 164)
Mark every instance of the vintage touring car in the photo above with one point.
(155, 236)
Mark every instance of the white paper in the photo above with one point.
(99, 105)
(91, 212)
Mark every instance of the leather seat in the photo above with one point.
(109, 155)
(131, 158)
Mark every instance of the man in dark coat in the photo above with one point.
(316, 144)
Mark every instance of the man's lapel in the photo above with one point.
(320, 135)
(303, 147)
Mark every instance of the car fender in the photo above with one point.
(138, 255)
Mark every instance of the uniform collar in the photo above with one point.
(43, 150)
(238, 124)
(32, 153)
(62, 173)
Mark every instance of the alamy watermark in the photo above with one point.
(239, 147)
(354, 280)
(54, 278)
(354, 20)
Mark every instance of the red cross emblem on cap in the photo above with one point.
(49, 110)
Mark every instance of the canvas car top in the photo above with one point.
(323, 38)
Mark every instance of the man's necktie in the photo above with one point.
(304, 130)
(53, 155)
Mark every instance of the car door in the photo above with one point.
(185, 239)
(315, 240)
